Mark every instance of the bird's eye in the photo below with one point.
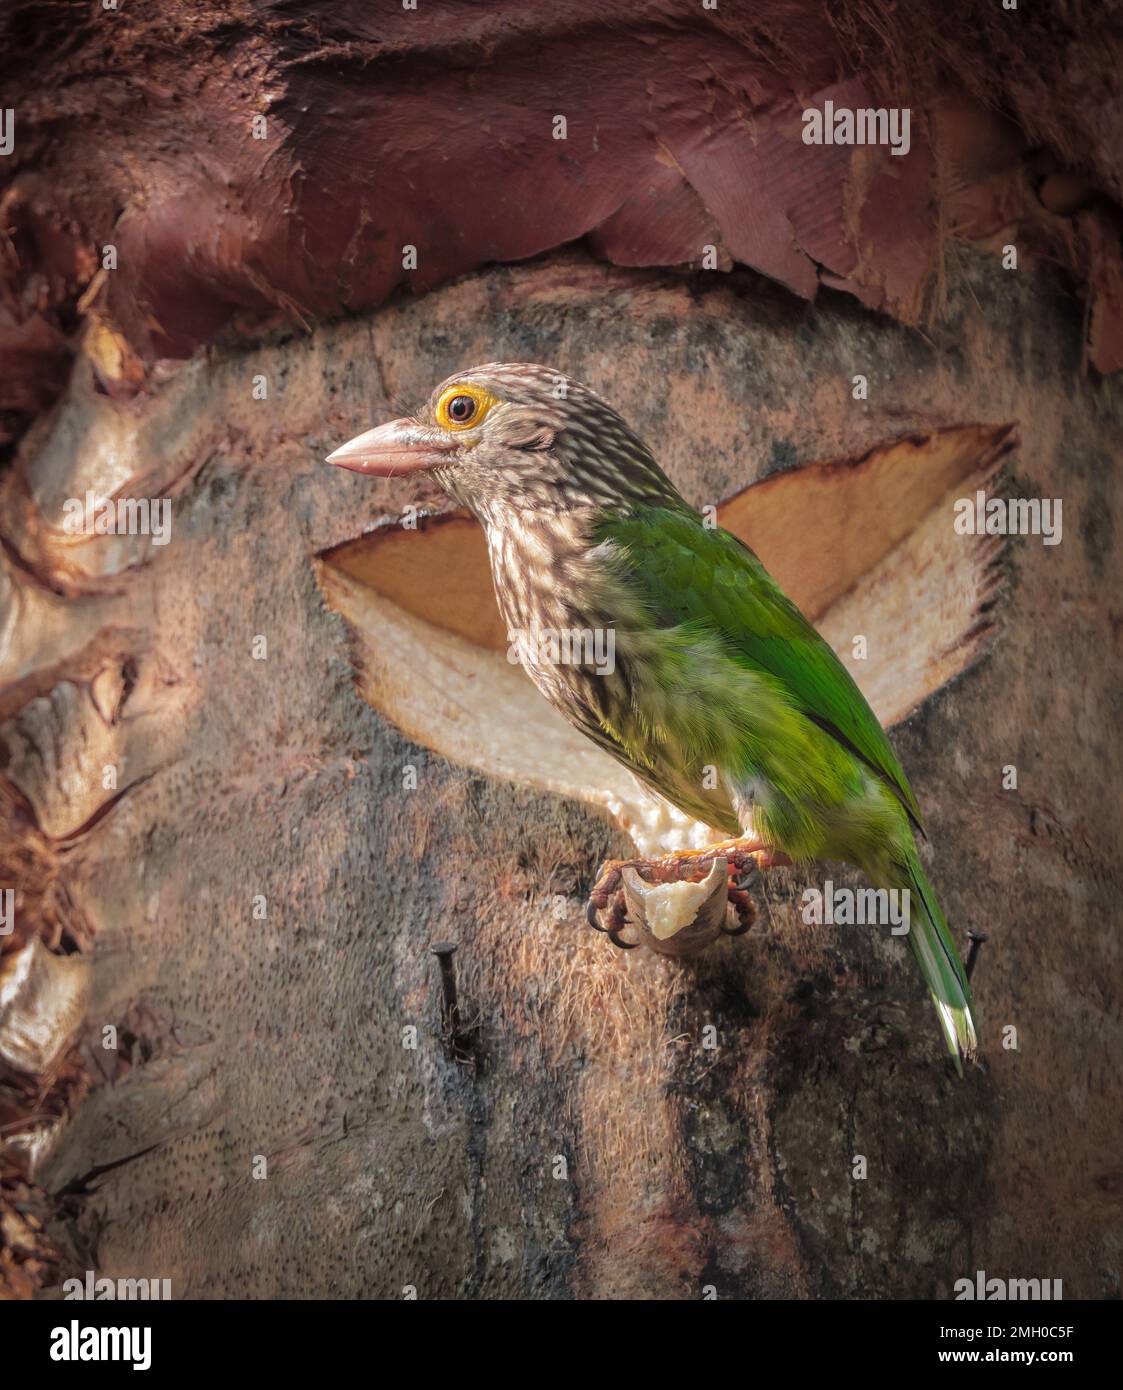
(463, 406)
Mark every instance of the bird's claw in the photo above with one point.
(614, 937)
(742, 904)
(608, 901)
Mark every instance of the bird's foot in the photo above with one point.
(680, 903)
(738, 851)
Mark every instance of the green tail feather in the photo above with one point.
(939, 962)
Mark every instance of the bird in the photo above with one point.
(722, 697)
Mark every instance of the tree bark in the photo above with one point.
(216, 835)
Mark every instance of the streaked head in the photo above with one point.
(515, 435)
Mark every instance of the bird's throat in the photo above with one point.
(541, 570)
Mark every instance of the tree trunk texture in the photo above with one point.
(248, 783)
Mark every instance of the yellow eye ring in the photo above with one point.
(464, 406)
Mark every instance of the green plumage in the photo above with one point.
(720, 671)
(723, 698)
(688, 573)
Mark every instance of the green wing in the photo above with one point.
(688, 573)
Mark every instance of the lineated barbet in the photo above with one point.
(715, 668)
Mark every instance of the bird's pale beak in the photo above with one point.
(402, 446)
